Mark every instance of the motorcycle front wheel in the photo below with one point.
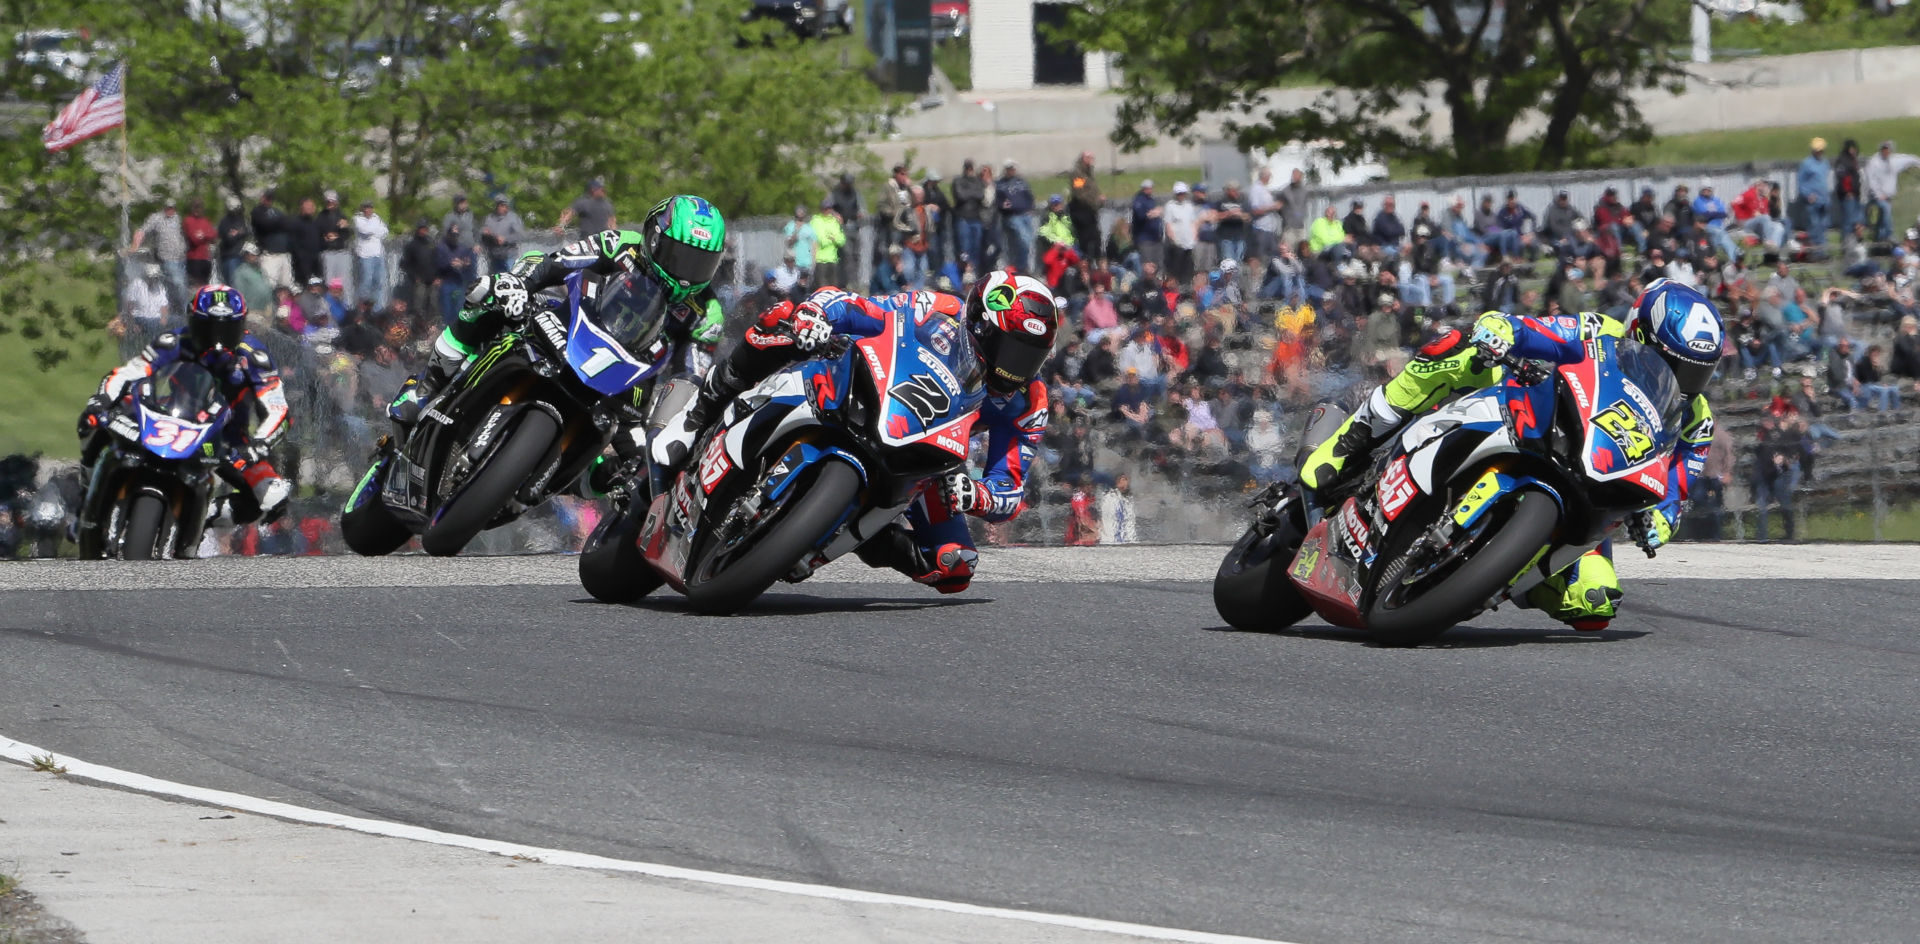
(466, 514)
(146, 522)
(611, 568)
(366, 524)
(728, 586)
(1251, 590)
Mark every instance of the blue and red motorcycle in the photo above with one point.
(799, 471)
(1468, 506)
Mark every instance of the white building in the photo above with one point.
(1002, 62)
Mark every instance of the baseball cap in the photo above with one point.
(1146, 184)
(313, 281)
(331, 196)
(1888, 144)
(1055, 198)
(170, 202)
(1818, 144)
(1179, 186)
(933, 176)
(595, 184)
(336, 283)
(1009, 162)
(366, 204)
(249, 249)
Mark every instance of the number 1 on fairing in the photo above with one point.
(602, 359)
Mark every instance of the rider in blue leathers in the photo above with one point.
(216, 338)
(1011, 320)
(1673, 319)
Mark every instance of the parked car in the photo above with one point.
(806, 18)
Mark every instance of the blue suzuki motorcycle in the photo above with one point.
(799, 471)
(517, 423)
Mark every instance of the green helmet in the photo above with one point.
(683, 237)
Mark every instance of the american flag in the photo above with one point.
(100, 108)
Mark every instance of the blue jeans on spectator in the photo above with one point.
(1505, 240)
(1284, 285)
(1852, 401)
(913, 269)
(370, 280)
(967, 233)
(1631, 231)
(1235, 249)
(1768, 355)
(1416, 293)
(227, 268)
(1885, 396)
(1771, 231)
(1779, 491)
(1722, 241)
(1883, 227)
(1020, 229)
(1846, 213)
(450, 294)
(175, 274)
(1819, 220)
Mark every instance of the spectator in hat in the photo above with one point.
(1232, 224)
(251, 282)
(1557, 226)
(1612, 218)
(370, 256)
(312, 302)
(145, 309)
(1515, 225)
(1148, 226)
(969, 213)
(337, 304)
(501, 234)
(1057, 228)
(163, 228)
(1387, 230)
(1181, 218)
(1679, 209)
(276, 243)
(336, 239)
(799, 238)
(1646, 215)
(1084, 207)
(1815, 182)
(894, 208)
(1355, 222)
(1326, 232)
(1015, 198)
(593, 210)
(234, 234)
(460, 220)
(453, 270)
(1882, 183)
(1846, 187)
(1711, 214)
(940, 243)
(417, 268)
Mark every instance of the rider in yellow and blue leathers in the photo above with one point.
(1674, 319)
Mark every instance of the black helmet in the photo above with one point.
(218, 318)
(1012, 319)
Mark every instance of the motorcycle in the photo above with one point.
(1466, 507)
(515, 424)
(799, 471)
(148, 491)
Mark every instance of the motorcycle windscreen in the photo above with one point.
(934, 389)
(180, 410)
(1634, 414)
(613, 340)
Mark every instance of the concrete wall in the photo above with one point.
(1047, 128)
(1006, 61)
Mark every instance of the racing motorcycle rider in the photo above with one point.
(215, 338)
(679, 246)
(1673, 319)
(1011, 320)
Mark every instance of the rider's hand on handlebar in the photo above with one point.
(965, 495)
(1650, 530)
(809, 328)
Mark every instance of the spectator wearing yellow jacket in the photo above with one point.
(1326, 232)
(829, 237)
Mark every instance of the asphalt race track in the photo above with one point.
(1734, 760)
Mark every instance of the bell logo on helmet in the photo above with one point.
(701, 233)
(1034, 326)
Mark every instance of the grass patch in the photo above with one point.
(1862, 29)
(1768, 144)
(7, 884)
(41, 405)
(955, 58)
(1900, 524)
(48, 764)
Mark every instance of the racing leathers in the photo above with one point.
(934, 547)
(696, 319)
(1586, 595)
(244, 371)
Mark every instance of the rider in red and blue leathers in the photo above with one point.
(1011, 320)
(1673, 319)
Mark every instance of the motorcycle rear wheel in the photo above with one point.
(1251, 590)
(146, 522)
(475, 504)
(1505, 546)
(794, 532)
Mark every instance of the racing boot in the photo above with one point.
(1327, 466)
(421, 388)
(674, 443)
(1585, 596)
(949, 569)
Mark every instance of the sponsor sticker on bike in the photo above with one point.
(1396, 489)
(1357, 533)
(715, 465)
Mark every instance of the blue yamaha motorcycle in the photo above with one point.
(517, 423)
(147, 492)
(1466, 507)
(799, 471)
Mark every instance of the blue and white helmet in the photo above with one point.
(1681, 323)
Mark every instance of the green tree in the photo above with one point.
(1484, 71)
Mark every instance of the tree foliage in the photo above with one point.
(1478, 78)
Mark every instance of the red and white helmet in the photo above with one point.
(1012, 319)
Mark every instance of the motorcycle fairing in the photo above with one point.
(1328, 579)
(923, 395)
(1628, 434)
(595, 357)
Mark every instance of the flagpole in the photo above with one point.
(126, 233)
